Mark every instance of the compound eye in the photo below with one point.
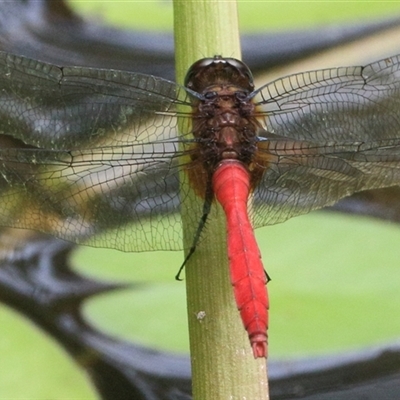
(195, 69)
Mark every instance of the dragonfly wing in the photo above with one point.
(302, 177)
(71, 107)
(328, 134)
(341, 104)
(86, 151)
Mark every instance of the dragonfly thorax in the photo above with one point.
(224, 122)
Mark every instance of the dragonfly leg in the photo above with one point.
(200, 227)
(267, 276)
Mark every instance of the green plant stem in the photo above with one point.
(223, 366)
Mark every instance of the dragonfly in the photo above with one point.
(94, 156)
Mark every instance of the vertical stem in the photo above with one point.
(223, 366)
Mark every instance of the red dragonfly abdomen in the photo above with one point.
(231, 185)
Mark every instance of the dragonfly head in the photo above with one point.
(219, 71)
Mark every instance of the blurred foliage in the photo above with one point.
(253, 15)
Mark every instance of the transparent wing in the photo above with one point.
(92, 155)
(85, 151)
(63, 108)
(328, 134)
